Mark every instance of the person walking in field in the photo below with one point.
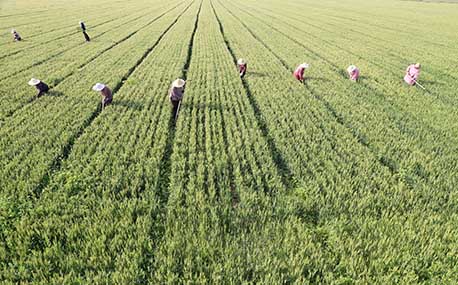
(353, 73)
(40, 86)
(107, 96)
(412, 73)
(176, 93)
(299, 72)
(83, 28)
(242, 66)
(16, 36)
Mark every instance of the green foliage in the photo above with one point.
(261, 180)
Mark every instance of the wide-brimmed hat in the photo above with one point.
(98, 87)
(13, 31)
(417, 65)
(241, 61)
(351, 68)
(178, 83)
(304, 65)
(34, 82)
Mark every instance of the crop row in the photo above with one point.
(59, 69)
(406, 125)
(45, 33)
(100, 209)
(39, 55)
(30, 147)
(394, 203)
(227, 219)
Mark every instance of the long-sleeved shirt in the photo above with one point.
(42, 88)
(176, 93)
(83, 26)
(107, 96)
(299, 73)
(412, 74)
(242, 69)
(16, 36)
(354, 75)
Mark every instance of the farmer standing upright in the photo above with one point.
(83, 28)
(107, 96)
(242, 65)
(41, 86)
(16, 36)
(412, 73)
(353, 73)
(176, 93)
(299, 72)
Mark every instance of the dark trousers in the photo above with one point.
(175, 105)
(242, 74)
(106, 102)
(86, 36)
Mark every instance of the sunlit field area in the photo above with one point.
(257, 179)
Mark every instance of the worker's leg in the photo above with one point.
(175, 105)
(86, 37)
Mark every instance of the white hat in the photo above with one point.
(13, 31)
(351, 68)
(304, 65)
(98, 87)
(34, 82)
(178, 83)
(241, 61)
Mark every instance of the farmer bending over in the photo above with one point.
(176, 93)
(107, 96)
(299, 72)
(41, 86)
(353, 73)
(241, 64)
(83, 28)
(412, 73)
(16, 36)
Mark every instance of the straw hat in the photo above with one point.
(304, 65)
(417, 65)
(241, 61)
(178, 83)
(351, 68)
(98, 87)
(34, 82)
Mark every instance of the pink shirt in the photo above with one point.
(299, 73)
(411, 74)
(354, 75)
(242, 68)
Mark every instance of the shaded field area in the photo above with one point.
(261, 179)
